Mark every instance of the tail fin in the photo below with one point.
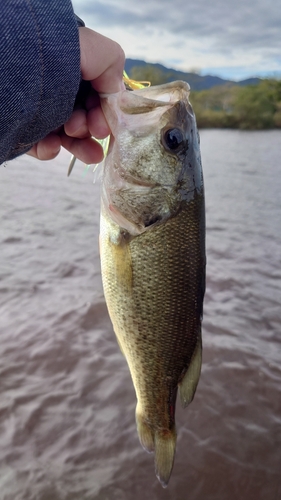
(146, 435)
(165, 447)
(163, 442)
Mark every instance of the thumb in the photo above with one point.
(102, 61)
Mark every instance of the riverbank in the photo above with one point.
(254, 107)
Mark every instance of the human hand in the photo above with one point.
(102, 63)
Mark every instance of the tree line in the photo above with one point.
(253, 107)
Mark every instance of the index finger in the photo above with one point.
(102, 61)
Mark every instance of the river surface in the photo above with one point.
(67, 424)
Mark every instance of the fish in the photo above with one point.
(152, 251)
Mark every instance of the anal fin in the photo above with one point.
(187, 386)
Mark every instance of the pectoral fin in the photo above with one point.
(187, 386)
(117, 275)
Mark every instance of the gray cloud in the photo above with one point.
(223, 26)
(219, 19)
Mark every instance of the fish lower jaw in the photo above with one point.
(131, 180)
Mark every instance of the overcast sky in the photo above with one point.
(230, 38)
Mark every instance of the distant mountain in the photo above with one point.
(196, 82)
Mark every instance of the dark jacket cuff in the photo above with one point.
(40, 67)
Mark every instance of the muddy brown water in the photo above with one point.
(67, 427)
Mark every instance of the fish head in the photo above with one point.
(154, 155)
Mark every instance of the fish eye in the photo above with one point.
(173, 139)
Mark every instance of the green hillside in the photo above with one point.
(224, 104)
(140, 70)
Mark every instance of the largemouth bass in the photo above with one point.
(152, 245)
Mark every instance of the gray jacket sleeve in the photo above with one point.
(40, 71)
